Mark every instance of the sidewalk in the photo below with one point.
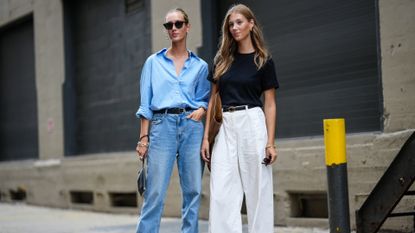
(22, 218)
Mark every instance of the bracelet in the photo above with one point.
(144, 136)
(142, 144)
(269, 146)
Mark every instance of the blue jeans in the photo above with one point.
(173, 136)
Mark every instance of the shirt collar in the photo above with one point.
(164, 52)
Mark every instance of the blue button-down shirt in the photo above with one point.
(160, 87)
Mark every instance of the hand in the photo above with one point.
(204, 151)
(271, 154)
(197, 115)
(141, 151)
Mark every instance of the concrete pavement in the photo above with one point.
(22, 218)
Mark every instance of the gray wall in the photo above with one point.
(50, 179)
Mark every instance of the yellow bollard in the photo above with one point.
(335, 141)
(338, 197)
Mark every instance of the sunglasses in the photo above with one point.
(177, 24)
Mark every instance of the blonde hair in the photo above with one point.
(228, 47)
(178, 9)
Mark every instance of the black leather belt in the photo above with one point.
(172, 110)
(236, 108)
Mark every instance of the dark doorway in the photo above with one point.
(106, 44)
(18, 100)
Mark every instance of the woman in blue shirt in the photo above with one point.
(174, 95)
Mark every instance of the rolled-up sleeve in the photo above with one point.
(203, 87)
(145, 92)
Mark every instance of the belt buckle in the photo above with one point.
(231, 109)
(182, 110)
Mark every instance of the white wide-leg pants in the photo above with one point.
(237, 169)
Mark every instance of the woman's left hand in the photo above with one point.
(271, 153)
(197, 115)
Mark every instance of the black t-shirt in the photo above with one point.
(243, 84)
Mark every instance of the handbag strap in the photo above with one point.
(217, 105)
(217, 93)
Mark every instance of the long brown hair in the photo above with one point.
(228, 47)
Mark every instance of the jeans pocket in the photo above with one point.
(194, 120)
(156, 120)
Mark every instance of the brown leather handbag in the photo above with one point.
(215, 117)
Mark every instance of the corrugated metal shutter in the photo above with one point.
(18, 117)
(105, 48)
(327, 64)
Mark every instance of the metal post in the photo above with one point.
(338, 197)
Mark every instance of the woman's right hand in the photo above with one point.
(204, 151)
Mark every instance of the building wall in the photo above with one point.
(49, 58)
(50, 179)
(301, 161)
(397, 34)
(48, 65)
(301, 166)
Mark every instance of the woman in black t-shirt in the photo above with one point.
(244, 146)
